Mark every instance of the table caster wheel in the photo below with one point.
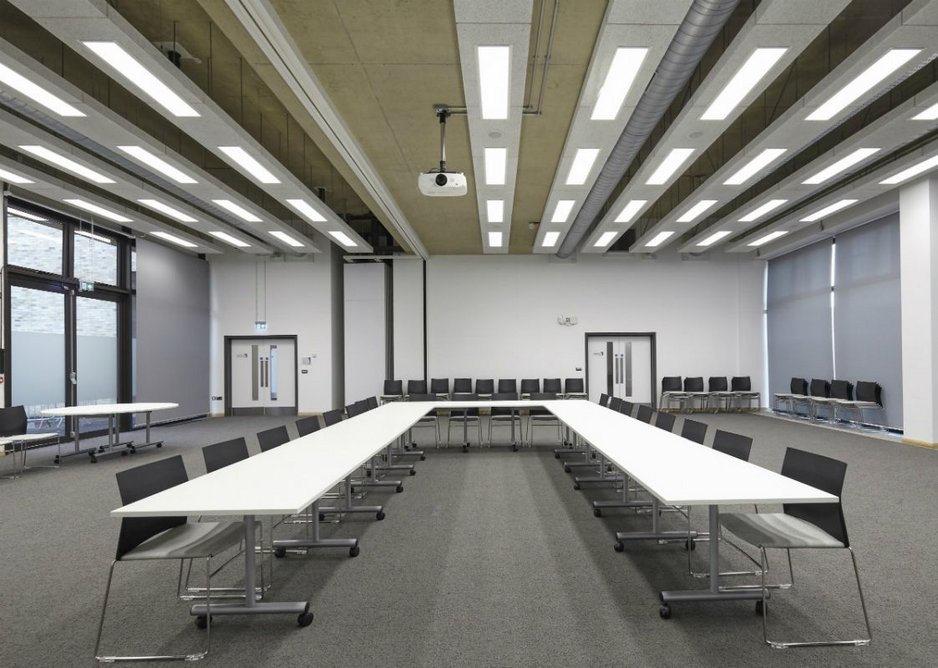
(597, 512)
(423, 458)
(556, 455)
(201, 622)
(619, 546)
(566, 469)
(367, 474)
(760, 608)
(124, 453)
(690, 544)
(304, 618)
(380, 515)
(353, 552)
(465, 448)
(413, 471)
(514, 448)
(576, 485)
(399, 489)
(159, 445)
(665, 611)
(94, 460)
(280, 552)
(322, 517)
(55, 461)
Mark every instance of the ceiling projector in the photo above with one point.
(442, 184)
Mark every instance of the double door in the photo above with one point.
(621, 366)
(263, 376)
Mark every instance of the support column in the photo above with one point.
(918, 252)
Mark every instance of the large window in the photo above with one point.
(34, 241)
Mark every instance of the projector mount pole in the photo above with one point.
(443, 112)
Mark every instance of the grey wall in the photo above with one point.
(172, 330)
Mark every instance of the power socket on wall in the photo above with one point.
(217, 398)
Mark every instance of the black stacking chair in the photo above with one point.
(614, 403)
(271, 438)
(645, 413)
(664, 420)
(819, 391)
(799, 391)
(355, 409)
(428, 421)
(801, 526)
(541, 417)
(152, 538)
(416, 387)
(332, 417)
(440, 387)
(393, 391)
(15, 422)
(506, 385)
(840, 391)
(694, 431)
(307, 425)
(553, 385)
(462, 385)
(719, 393)
(464, 417)
(505, 416)
(604, 400)
(741, 387)
(573, 388)
(371, 402)
(627, 408)
(529, 386)
(219, 455)
(671, 391)
(485, 387)
(869, 397)
(694, 389)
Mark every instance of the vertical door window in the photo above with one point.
(95, 258)
(96, 354)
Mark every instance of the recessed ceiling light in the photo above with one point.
(306, 210)
(229, 239)
(343, 238)
(619, 78)
(494, 70)
(914, 170)
(673, 162)
(659, 239)
(697, 210)
(865, 81)
(25, 214)
(175, 214)
(36, 93)
(581, 166)
(605, 239)
(286, 238)
(173, 239)
(96, 237)
(10, 177)
(237, 210)
(156, 163)
(630, 210)
(495, 239)
(827, 210)
(844, 163)
(929, 114)
(101, 211)
(747, 76)
(249, 164)
(140, 77)
(757, 213)
(495, 210)
(771, 236)
(715, 237)
(751, 168)
(495, 160)
(68, 164)
(550, 239)
(562, 210)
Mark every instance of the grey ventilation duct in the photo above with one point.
(702, 24)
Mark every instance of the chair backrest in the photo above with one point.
(868, 391)
(820, 388)
(307, 425)
(694, 431)
(664, 420)
(717, 384)
(741, 384)
(439, 386)
(332, 417)
(139, 483)
(485, 386)
(729, 443)
(219, 455)
(507, 385)
(13, 421)
(645, 413)
(371, 402)
(799, 386)
(421, 397)
(604, 400)
(356, 408)
(825, 474)
(694, 384)
(627, 408)
(504, 396)
(671, 384)
(529, 385)
(464, 412)
(613, 402)
(553, 385)
(462, 385)
(842, 389)
(393, 388)
(416, 387)
(543, 396)
(271, 438)
(573, 386)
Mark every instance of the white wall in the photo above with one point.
(365, 330)
(496, 316)
(298, 300)
(408, 319)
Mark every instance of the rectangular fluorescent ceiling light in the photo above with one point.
(249, 164)
(495, 160)
(342, 238)
(562, 210)
(495, 239)
(619, 78)
(141, 78)
(747, 76)
(175, 214)
(771, 236)
(101, 211)
(864, 82)
(914, 170)
(550, 239)
(844, 163)
(237, 210)
(494, 70)
(697, 210)
(91, 235)
(673, 162)
(659, 239)
(756, 214)
(173, 239)
(929, 114)
(630, 210)
(10, 177)
(26, 215)
(605, 239)
(715, 237)
(68, 164)
(827, 210)
(495, 210)
(307, 210)
(157, 164)
(582, 164)
(286, 238)
(229, 239)
(36, 93)
(751, 168)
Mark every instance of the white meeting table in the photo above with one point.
(22, 439)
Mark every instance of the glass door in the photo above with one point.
(96, 354)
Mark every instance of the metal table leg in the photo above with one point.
(302, 544)
(134, 447)
(655, 533)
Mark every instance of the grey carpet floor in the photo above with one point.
(486, 559)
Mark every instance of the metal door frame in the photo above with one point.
(651, 336)
(267, 339)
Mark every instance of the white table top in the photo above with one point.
(109, 409)
(26, 438)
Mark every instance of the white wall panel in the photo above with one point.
(365, 307)
(408, 319)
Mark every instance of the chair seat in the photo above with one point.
(777, 530)
(189, 541)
